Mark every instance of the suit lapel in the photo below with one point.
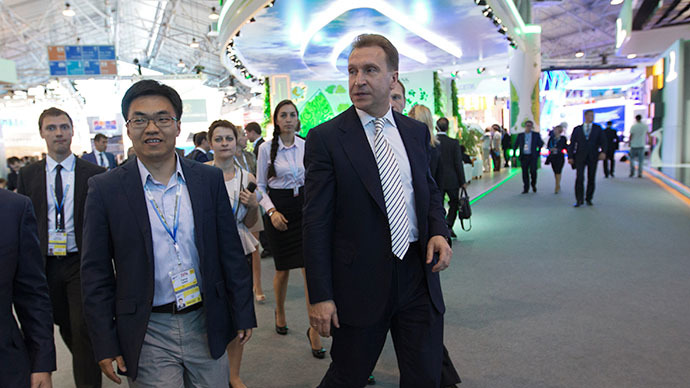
(197, 190)
(131, 184)
(358, 150)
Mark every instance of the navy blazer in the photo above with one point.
(583, 149)
(535, 147)
(347, 246)
(23, 285)
(118, 230)
(32, 183)
(91, 157)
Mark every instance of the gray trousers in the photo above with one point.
(175, 354)
(636, 153)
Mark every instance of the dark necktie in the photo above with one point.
(100, 155)
(59, 215)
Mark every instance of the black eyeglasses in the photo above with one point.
(142, 122)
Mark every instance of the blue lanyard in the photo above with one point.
(59, 206)
(176, 220)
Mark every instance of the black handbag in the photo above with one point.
(465, 211)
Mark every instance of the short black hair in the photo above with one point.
(53, 111)
(199, 137)
(99, 136)
(375, 40)
(149, 87)
(589, 111)
(253, 127)
(442, 124)
(638, 117)
(13, 160)
(529, 121)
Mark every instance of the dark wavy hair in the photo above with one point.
(276, 135)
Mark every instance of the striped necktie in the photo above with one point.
(391, 184)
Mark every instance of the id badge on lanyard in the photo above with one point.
(184, 282)
(57, 237)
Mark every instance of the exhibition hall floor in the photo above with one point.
(539, 294)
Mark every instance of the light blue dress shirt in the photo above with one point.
(527, 149)
(164, 256)
(390, 132)
(289, 165)
(67, 175)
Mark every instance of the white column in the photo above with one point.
(525, 72)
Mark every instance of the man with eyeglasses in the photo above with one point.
(57, 188)
(164, 224)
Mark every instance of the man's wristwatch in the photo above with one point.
(270, 212)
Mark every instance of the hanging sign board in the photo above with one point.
(82, 60)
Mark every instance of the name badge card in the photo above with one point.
(187, 291)
(57, 242)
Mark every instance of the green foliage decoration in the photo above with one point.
(267, 103)
(318, 110)
(470, 139)
(454, 100)
(438, 96)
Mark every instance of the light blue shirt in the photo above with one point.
(164, 256)
(527, 148)
(390, 132)
(289, 165)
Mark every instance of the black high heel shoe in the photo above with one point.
(282, 330)
(317, 353)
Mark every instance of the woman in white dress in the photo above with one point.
(222, 136)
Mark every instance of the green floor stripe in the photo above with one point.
(497, 185)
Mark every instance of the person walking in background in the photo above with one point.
(529, 143)
(253, 132)
(423, 114)
(453, 172)
(587, 147)
(57, 188)
(202, 151)
(611, 137)
(244, 158)
(223, 137)
(280, 171)
(373, 257)
(98, 156)
(27, 352)
(14, 164)
(638, 140)
(506, 145)
(496, 146)
(486, 150)
(165, 279)
(557, 144)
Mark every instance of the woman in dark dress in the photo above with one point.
(280, 176)
(557, 144)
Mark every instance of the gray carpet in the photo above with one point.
(539, 295)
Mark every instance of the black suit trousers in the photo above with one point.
(416, 328)
(609, 163)
(453, 205)
(64, 283)
(529, 169)
(591, 165)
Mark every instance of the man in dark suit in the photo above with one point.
(453, 171)
(99, 156)
(164, 224)
(253, 131)
(587, 147)
(374, 223)
(27, 356)
(14, 164)
(529, 143)
(611, 139)
(202, 152)
(57, 188)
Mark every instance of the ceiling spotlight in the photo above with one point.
(252, 20)
(579, 54)
(480, 2)
(616, 2)
(194, 43)
(213, 15)
(503, 30)
(632, 56)
(180, 63)
(237, 34)
(481, 70)
(68, 11)
(513, 45)
(488, 12)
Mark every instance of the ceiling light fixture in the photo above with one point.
(616, 2)
(213, 15)
(252, 20)
(579, 54)
(632, 56)
(194, 43)
(180, 63)
(480, 2)
(68, 11)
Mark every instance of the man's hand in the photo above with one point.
(279, 221)
(440, 245)
(321, 315)
(244, 336)
(107, 368)
(41, 380)
(602, 155)
(571, 160)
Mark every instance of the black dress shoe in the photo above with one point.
(589, 202)
(452, 234)
(534, 188)
(525, 191)
(577, 204)
(371, 380)
(317, 353)
(282, 330)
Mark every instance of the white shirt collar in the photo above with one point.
(145, 174)
(366, 118)
(282, 146)
(201, 149)
(67, 164)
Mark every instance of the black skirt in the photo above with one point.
(557, 161)
(286, 246)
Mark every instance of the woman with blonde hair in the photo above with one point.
(423, 114)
